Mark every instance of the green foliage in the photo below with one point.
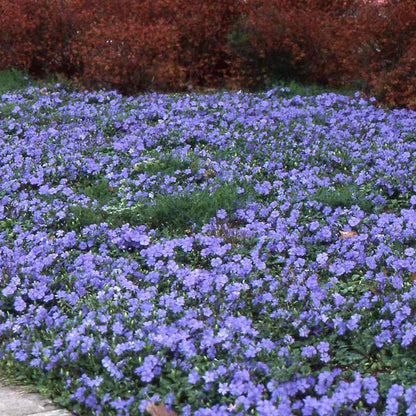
(99, 191)
(178, 212)
(100, 194)
(237, 40)
(173, 213)
(292, 88)
(168, 164)
(12, 80)
(79, 217)
(344, 196)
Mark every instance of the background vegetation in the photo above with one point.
(183, 45)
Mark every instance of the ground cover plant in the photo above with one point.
(225, 254)
(177, 45)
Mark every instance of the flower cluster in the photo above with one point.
(296, 295)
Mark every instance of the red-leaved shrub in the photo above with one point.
(159, 44)
(341, 43)
(179, 44)
(35, 36)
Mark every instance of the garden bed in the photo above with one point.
(226, 254)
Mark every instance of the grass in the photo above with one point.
(179, 212)
(293, 88)
(344, 197)
(168, 164)
(166, 212)
(12, 80)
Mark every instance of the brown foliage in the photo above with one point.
(155, 43)
(341, 43)
(179, 44)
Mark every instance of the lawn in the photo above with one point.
(226, 254)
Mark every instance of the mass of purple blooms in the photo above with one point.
(300, 300)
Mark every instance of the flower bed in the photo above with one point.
(227, 254)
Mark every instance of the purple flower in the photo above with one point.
(338, 299)
(410, 252)
(322, 259)
(308, 352)
(19, 304)
(353, 322)
(263, 188)
(265, 408)
(221, 214)
(353, 221)
(410, 398)
(193, 377)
